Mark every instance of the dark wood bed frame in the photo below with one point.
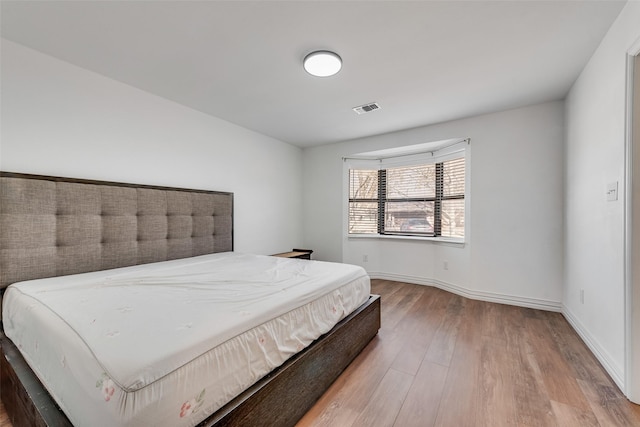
(281, 398)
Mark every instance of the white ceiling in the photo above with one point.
(424, 62)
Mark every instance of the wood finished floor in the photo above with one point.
(443, 360)
(4, 419)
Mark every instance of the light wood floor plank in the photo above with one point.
(497, 378)
(386, 401)
(4, 418)
(353, 390)
(533, 404)
(441, 349)
(569, 416)
(419, 327)
(608, 406)
(557, 375)
(582, 362)
(421, 405)
(398, 305)
(458, 406)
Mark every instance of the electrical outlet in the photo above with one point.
(581, 296)
(445, 265)
(365, 258)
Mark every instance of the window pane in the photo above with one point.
(363, 217)
(409, 217)
(453, 177)
(411, 182)
(421, 200)
(363, 184)
(453, 218)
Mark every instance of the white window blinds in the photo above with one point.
(426, 199)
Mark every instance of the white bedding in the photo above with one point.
(167, 344)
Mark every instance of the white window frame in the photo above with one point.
(429, 153)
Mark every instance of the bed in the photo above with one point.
(58, 234)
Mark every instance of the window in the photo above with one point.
(417, 200)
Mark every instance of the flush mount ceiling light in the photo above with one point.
(322, 63)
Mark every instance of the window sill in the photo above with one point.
(446, 240)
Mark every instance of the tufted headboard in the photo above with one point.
(51, 226)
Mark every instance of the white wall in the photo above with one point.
(513, 251)
(58, 119)
(594, 228)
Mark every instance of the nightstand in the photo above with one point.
(296, 253)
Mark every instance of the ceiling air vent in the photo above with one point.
(366, 108)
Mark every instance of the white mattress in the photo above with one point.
(167, 344)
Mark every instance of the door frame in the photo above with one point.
(632, 226)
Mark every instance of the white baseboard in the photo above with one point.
(598, 351)
(536, 303)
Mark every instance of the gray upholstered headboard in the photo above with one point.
(52, 226)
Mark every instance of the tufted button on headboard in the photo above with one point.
(51, 226)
